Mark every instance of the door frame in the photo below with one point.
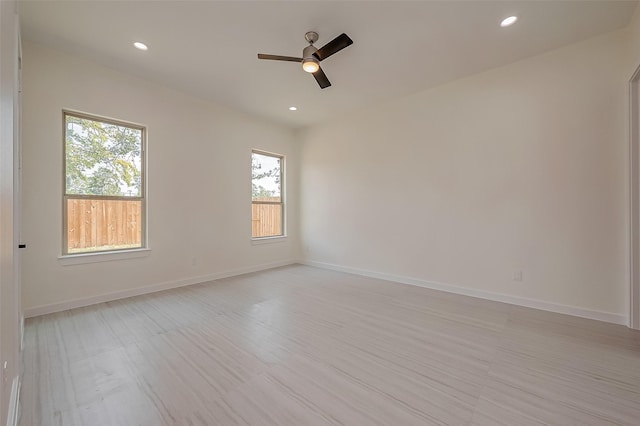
(10, 310)
(634, 199)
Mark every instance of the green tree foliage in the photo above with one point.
(102, 158)
(257, 173)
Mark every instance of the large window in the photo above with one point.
(104, 200)
(267, 172)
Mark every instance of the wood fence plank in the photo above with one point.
(83, 224)
(93, 222)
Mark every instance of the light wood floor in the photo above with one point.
(305, 346)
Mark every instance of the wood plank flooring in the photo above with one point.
(304, 346)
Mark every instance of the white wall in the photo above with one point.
(199, 183)
(523, 167)
(633, 30)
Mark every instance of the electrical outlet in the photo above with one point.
(517, 276)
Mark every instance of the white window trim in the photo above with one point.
(257, 241)
(283, 173)
(103, 256)
(65, 258)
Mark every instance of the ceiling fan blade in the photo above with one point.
(321, 78)
(279, 58)
(334, 46)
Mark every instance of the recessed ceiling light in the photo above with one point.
(140, 46)
(292, 108)
(508, 21)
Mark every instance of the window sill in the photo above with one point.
(268, 240)
(82, 258)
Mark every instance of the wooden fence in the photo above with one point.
(266, 219)
(103, 224)
(116, 224)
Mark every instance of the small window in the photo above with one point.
(267, 218)
(104, 200)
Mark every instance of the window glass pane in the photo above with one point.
(102, 158)
(266, 220)
(96, 225)
(265, 177)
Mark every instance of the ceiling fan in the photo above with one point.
(311, 56)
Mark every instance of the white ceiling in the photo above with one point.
(208, 48)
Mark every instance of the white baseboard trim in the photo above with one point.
(12, 416)
(481, 294)
(109, 297)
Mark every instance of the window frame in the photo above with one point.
(283, 220)
(143, 184)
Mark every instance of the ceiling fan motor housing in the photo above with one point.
(309, 62)
(308, 52)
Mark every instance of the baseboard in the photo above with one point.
(109, 297)
(481, 294)
(12, 416)
(514, 300)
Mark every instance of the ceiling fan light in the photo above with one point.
(310, 65)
